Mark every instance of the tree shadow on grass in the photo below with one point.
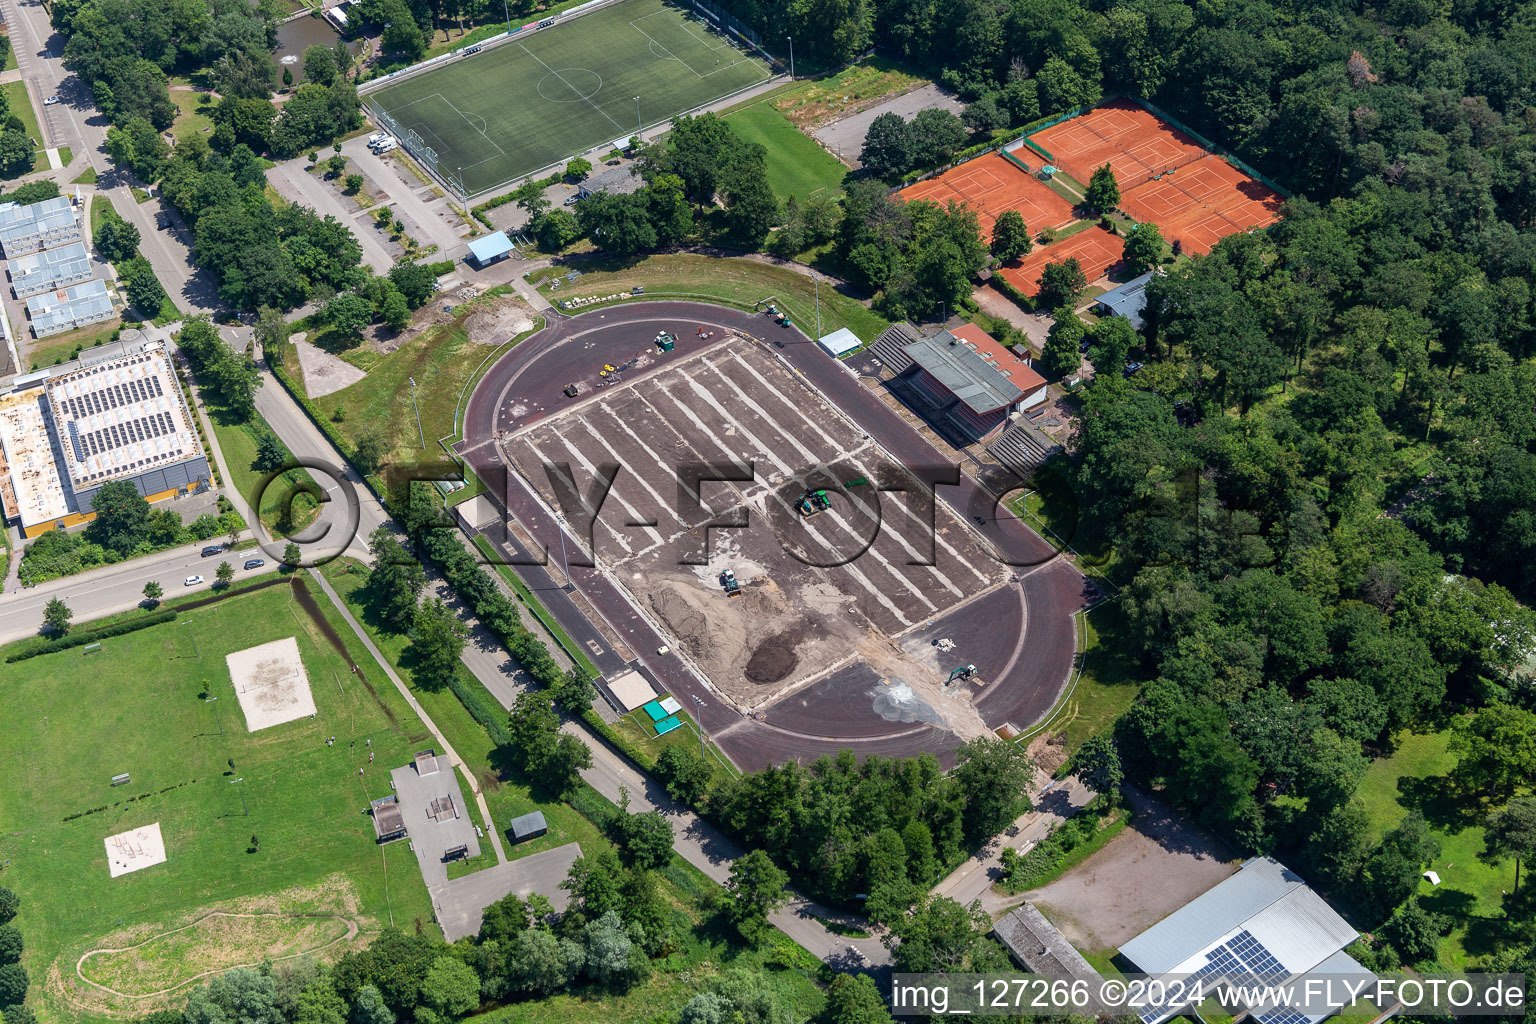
(1439, 802)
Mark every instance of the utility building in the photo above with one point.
(68, 308)
(52, 222)
(50, 269)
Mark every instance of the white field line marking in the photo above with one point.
(712, 49)
(623, 541)
(626, 472)
(481, 130)
(901, 503)
(574, 90)
(855, 499)
(784, 468)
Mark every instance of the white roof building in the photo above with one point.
(68, 308)
(66, 431)
(51, 269)
(43, 225)
(1261, 926)
(31, 489)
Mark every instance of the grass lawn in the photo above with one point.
(87, 177)
(144, 716)
(10, 54)
(815, 102)
(731, 282)
(507, 793)
(237, 440)
(566, 89)
(443, 361)
(705, 946)
(637, 728)
(194, 113)
(1469, 889)
(61, 348)
(797, 166)
(1110, 680)
(21, 105)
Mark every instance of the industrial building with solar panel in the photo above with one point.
(67, 431)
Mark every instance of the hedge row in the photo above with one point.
(1068, 845)
(64, 643)
(481, 708)
(1005, 286)
(498, 614)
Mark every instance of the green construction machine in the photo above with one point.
(813, 503)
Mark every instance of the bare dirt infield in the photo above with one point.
(1099, 251)
(271, 683)
(991, 184)
(1148, 871)
(817, 594)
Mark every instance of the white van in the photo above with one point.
(377, 137)
(385, 146)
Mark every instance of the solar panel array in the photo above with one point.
(1284, 1015)
(1242, 959)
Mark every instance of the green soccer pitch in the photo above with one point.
(530, 102)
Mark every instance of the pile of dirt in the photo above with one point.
(695, 633)
(498, 321)
(1049, 752)
(776, 657)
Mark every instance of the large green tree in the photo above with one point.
(1010, 236)
(437, 640)
(995, 776)
(754, 890)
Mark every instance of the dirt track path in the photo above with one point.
(352, 932)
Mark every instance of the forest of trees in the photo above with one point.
(124, 51)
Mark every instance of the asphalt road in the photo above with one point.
(118, 588)
(525, 386)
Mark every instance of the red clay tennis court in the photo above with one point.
(991, 184)
(1136, 144)
(1098, 251)
(1202, 203)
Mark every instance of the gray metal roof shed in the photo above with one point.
(529, 825)
(37, 272)
(490, 248)
(616, 180)
(1265, 898)
(1128, 300)
(963, 372)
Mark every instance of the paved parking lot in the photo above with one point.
(846, 137)
(815, 591)
(461, 903)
